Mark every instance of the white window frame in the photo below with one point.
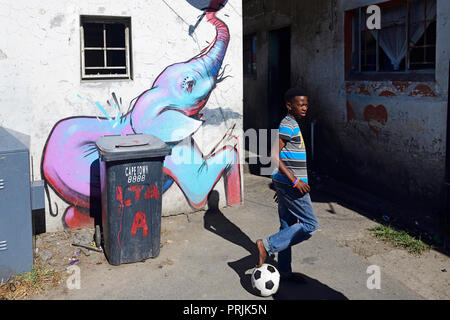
(126, 21)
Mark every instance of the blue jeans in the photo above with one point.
(297, 224)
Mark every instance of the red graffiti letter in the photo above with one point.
(139, 222)
(152, 192)
(119, 196)
(137, 190)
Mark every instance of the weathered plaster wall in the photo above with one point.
(386, 136)
(399, 129)
(405, 142)
(40, 73)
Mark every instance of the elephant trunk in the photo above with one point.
(212, 57)
(165, 91)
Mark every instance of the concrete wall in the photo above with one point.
(41, 89)
(385, 136)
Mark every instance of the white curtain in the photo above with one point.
(393, 40)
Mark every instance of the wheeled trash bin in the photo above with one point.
(131, 173)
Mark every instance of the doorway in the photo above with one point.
(279, 74)
(447, 166)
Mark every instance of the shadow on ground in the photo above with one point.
(305, 289)
(417, 219)
(328, 190)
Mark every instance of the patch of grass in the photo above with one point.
(400, 239)
(30, 283)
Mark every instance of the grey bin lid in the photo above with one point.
(131, 147)
(12, 141)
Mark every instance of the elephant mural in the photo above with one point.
(170, 110)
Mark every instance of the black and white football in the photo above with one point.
(266, 280)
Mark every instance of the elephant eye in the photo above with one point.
(188, 84)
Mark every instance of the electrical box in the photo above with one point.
(16, 245)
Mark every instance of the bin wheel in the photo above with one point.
(98, 236)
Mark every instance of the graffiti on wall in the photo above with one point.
(391, 89)
(169, 110)
(375, 116)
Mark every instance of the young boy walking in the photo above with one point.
(297, 219)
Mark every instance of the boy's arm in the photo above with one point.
(302, 186)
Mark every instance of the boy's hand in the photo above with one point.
(303, 188)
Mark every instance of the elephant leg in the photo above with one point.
(77, 218)
(70, 166)
(233, 179)
(69, 157)
(196, 176)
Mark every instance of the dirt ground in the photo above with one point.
(426, 274)
(53, 254)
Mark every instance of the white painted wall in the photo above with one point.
(40, 68)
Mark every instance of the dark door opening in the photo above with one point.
(447, 168)
(279, 74)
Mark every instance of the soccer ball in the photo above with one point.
(266, 280)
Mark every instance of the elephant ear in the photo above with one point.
(173, 126)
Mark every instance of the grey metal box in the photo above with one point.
(16, 246)
(38, 207)
(37, 195)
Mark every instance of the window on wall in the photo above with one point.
(406, 42)
(105, 47)
(250, 55)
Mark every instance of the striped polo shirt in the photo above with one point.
(293, 154)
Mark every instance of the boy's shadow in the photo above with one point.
(217, 223)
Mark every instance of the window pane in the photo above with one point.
(386, 63)
(368, 52)
(423, 55)
(431, 33)
(423, 34)
(116, 58)
(393, 43)
(93, 34)
(421, 10)
(115, 35)
(94, 58)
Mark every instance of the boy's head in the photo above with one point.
(296, 103)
